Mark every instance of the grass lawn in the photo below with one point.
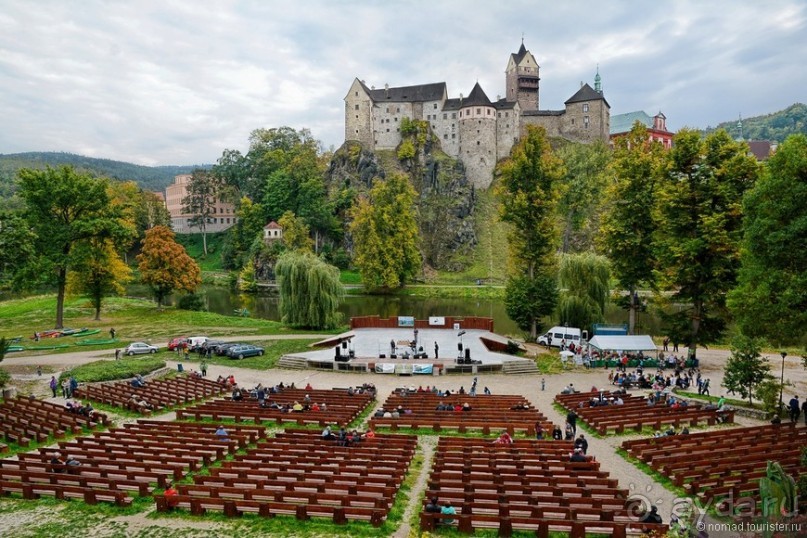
(133, 319)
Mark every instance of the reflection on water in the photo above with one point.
(265, 306)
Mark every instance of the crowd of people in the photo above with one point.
(345, 438)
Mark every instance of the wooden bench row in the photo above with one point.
(300, 473)
(23, 420)
(158, 393)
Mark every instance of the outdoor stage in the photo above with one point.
(385, 349)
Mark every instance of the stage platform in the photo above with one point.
(371, 350)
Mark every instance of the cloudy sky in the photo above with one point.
(178, 81)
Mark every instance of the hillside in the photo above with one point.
(153, 178)
(774, 127)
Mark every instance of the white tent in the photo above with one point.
(641, 342)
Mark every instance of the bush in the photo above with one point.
(112, 370)
(512, 348)
(406, 150)
(5, 377)
(193, 301)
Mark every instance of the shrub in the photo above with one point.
(112, 370)
(193, 301)
(5, 377)
(406, 150)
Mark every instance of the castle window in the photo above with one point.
(357, 94)
(478, 110)
(454, 115)
(435, 106)
(499, 115)
(453, 135)
(395, 120)
(488, 112)
(585, 121)
(506, 114)
(387, 129)
(572, 121)
(585, 107)
(477, 142)
(357, 116)
(357, 107)
(387, 110)
(398, 110)
(460, 113)
(445, 136)
(357, 131)
(445, 116)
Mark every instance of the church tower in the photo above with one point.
(522, 79)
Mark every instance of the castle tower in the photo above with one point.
(522, 79)
(477, 126)
(598, 81)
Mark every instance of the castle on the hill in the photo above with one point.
(474, 129)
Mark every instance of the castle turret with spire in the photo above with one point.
(476, 130)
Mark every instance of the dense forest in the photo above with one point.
(774, 127)
(153, 178)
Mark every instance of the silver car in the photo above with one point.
(139, 348)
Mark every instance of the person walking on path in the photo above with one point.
(117, 354)
(112, 333)
(571, 419)
(804, 411)
(436, 349)
(203, 368)
(53, 385)
(795, 409)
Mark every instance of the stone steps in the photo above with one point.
(292, 363)
(519, 367)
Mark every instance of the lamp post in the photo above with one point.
(782, 382)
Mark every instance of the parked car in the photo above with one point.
(180, 342)
(222, 349)
(244, 350)
(211, 345)
(139, 348)
(194, 342)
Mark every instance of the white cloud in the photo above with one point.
(178, 82)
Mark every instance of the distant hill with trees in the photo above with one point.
(774, 127)
(152, 178)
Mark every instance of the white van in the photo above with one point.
(195, 341)
(557, 335)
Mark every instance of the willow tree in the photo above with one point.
(528, 191)
(310, 291)
(584, 279)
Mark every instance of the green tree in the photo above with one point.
(99, 272)
(746, 368)
(310, 291)
(63, 208)
(771, 297)
(165, 266)
(204, 192)
(581, 201)
(528, 193)
(585, 280)
(628, 227)
(296, 234)
(17, 249)
(385, 234)
(699, 227)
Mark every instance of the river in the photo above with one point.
(223, 301)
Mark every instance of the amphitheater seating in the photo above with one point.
(23, 420)
(301, 474)
(342, 408)
(160, 393)
(724, 463)
(528, 485)
(489, 413)
(637, 414)
(131, 458)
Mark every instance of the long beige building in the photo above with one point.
(223, 212)
(474, 129)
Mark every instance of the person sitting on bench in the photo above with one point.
(651, 516)
(72, 465)
(433, 507)
(449, 511)
(171, 496)
(578, 455)
(58, 462)
(221, 433)
(503, 439)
